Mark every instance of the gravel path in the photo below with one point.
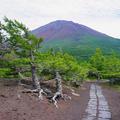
(97, 108)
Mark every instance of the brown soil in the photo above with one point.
(28, 107)
(113, 98)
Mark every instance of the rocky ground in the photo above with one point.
(28, 107)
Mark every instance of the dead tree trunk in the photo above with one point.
(33, 71)
(36, 83)
(59, 92)
(58, 83)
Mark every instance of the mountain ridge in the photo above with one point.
(75, 38)
(56, 24)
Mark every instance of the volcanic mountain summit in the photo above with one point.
(75, 38)
(62, 29)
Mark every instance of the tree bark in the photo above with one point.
(58, 83)
(35, 80)
(59, 90)
(36, 83)
(33, 71)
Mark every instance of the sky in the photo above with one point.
(101, 15)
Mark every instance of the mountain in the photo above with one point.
(76, 39)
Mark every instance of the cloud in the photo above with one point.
(93, 13)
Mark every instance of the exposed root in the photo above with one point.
(30, 91)
(75, 94)
(57, 94)
(40, 94)
(25, 85)
(45, 91)
(66, 97)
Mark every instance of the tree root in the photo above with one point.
(40, 92)
(30, 91)
(47, 93)
(66, 97)
(58, 95)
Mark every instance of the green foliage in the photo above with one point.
(111, 75)
(66, 64)
(111, 67)
(97, 59)
(4, 72)
(108, 66)
(111, 64)
(83, 47)
(21, 45)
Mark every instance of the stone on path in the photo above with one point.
(89, 118)
(97, 108)
(104, 114)
(103, 108)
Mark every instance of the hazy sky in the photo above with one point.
(101, 15)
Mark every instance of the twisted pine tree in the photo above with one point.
(24, 44)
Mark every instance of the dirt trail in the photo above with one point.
(28, 107)
(113, 98)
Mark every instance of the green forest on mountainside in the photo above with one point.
(85, 47)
